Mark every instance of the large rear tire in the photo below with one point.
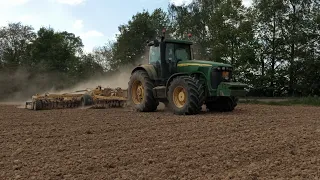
(185, 95)
(140, 92)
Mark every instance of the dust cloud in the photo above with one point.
(18, 87)
(119, 79)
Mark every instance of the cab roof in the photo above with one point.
(151, 43)
(178, 41)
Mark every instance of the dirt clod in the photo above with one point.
(253, 142)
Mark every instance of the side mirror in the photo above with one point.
(156, 43)
(149, 43)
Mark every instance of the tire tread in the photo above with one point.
(150, 103)
(195, 93)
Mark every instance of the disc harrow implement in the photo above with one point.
(97, 98)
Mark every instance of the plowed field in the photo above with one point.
(253, 142)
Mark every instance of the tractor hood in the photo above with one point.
(202, 63)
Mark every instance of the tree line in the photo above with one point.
(273, 46)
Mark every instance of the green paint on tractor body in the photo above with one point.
(207, 69)
(173, 77)
(201, 63)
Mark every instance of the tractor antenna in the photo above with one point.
(192, 52)
(163, 34)
(189, 35)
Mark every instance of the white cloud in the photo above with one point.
(180, 2)
(78, 24)
(92, 33)
(26, 18)
(247, 3)
(91, 39)
(71, 2)
(51, 13)
(6, 3)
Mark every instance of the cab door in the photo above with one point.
(170, 59)
(155, 59)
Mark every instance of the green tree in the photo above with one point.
(187, 19)
(269, 32)
(130, 47)
(14, 42)
(88, 67)
(104, 55)
(306, 75)
(297, 25)
(56, 51)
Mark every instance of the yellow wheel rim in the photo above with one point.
(179, 96)
(137, 92)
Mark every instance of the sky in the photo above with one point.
(95, 21)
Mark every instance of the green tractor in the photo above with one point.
(183, 84)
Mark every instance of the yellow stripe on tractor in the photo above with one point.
(194, 64)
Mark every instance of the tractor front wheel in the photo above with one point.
(185, 95)
(140, 92)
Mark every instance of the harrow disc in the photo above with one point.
(102, 104)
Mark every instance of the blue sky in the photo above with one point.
(95, 21)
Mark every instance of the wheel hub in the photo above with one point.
(179, 96)
(137, 92)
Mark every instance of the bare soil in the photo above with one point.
(253, 142)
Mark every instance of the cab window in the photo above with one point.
(154, 55)
(175, 52)
(182, 52)
(170, 52)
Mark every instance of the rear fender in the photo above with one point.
(152, 73)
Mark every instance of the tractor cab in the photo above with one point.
(166, 54)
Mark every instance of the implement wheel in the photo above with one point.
(86, 100)
(140, 92)
(185, 95)
(37, 105)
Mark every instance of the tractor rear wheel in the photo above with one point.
(140, 92)
(185, 95)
